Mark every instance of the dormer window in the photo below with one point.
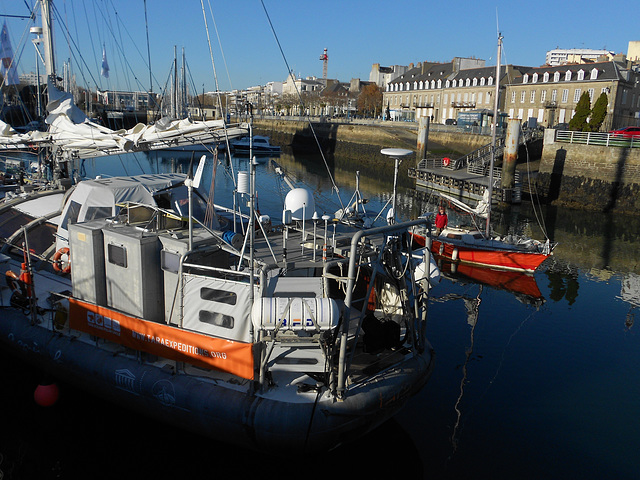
(525, 78)
(490, 82)
(482, 81)
(545, 77)
(556, 77)
(534, 78)
(567, 76)
(468, 82)
(407, 85)
(448, 84)
(475, 81)
(594, 74)
(580, 74)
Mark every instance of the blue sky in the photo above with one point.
(356, 33)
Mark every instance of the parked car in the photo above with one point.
(562, 126)
(626, 132)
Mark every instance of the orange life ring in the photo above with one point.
(57, 261)
(446, 161)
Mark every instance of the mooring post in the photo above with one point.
(510, 155)
(423, 137)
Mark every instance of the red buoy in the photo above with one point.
(46, 395)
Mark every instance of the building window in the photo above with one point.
(525, 78)
(543, 96)
(475, 81)
(513, 97)
(554, 95)
(468, 82)
(439, 83)
(580, 74)
(479, 98)
(565, 95)
(482, 81)
(567, 75)
(545, 77)
(534, 79)
(448, 84)
(522, 96)
(576, 95)
(594, 74)
(556, 77)
(591, 92)
(408, 86)
(533, 96)
(490, 81)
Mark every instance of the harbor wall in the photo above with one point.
(589, 177)
(357, 146)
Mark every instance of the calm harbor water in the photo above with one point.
(535, 378)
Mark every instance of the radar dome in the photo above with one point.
(301, 204)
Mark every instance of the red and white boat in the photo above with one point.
(472, 247)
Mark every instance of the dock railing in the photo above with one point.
(597, 138)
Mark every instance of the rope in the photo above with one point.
(289, 70)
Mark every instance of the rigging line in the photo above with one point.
(146, 24)
(289, 71)
(215, 77)
(224, 59)
(93, 49)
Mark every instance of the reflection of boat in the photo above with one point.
(261, 145)
(520, 283)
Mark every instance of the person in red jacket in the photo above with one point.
(441, 220)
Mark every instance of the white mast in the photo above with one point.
(493, 137)
(47, 37)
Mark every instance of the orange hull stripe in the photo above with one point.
(162, 340)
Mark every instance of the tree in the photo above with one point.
(583, 109)
(599, 112)
(370, 100)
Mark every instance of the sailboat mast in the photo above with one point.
(493, 137)
(47, 37)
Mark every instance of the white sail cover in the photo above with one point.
(72, 131)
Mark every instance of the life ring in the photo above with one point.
(57, 261)
(446, 161)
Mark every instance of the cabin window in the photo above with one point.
(216, 318)
(220, 296)
(117, 255)
(169, 261)
(72, 214)
(94, 213)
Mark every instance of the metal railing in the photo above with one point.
(596, 138)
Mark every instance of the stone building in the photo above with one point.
(442, 90)
(550, 93)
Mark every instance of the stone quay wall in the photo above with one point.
(589, 177)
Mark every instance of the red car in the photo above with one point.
(626, 132)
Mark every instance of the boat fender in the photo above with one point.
(14, 283)
(441, 248)
(454, 255)
(58, 262)
(446, 161)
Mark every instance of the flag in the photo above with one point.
(7, 64)
(105, 65)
